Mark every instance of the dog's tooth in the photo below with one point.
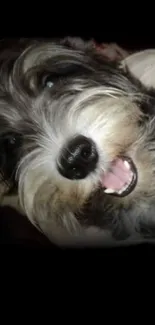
(127, 165)
(130, 179)
(123, 189)
(109, 191)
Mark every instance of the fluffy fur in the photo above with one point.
(50, 92)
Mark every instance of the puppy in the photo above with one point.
(77, 143)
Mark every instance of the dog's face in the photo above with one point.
(82, 135)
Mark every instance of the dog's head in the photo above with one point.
(77, 138)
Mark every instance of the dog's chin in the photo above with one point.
(121, 177)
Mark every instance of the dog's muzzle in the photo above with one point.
(78, 159)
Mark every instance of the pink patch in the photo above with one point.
(117, 177)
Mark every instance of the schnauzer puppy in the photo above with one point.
(77, 142)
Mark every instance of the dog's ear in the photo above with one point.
(77, 43)
(142, 66)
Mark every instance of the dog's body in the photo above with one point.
(77, 142)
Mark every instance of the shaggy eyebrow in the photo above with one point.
(66, 70)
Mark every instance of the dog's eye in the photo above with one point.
(47, 81)
(11, 141)
(10, 144)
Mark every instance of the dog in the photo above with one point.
(77, 143)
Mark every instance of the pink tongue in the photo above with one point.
(118, 177)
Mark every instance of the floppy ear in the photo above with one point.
(77, 43)
(142, 66)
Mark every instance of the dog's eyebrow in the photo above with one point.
(69, 69)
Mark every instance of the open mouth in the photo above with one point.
(121, 178)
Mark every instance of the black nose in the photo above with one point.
(78, 158)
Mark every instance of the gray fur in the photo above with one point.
(91, 97)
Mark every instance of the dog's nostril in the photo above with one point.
(86, 151)
(78, 158)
